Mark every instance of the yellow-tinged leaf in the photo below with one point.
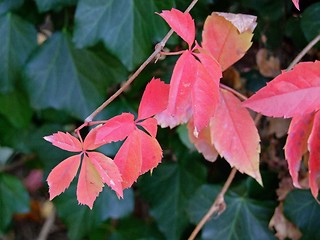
(228, 36)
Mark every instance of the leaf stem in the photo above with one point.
(303, 52)
(154, 55)
(218, 205)
(235, 92)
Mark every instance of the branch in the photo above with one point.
(303, 52)
(218, 205)
(154, 55)
(235, 92)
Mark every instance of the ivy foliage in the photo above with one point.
(60, 59)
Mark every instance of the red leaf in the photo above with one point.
(181, 23)
(61, 176)
(296, 4)
(150, 125)
(203, 142)
(154, 99)
(235, 136)
(314, 158)
(179, 108)
(90, 142)
(228, 36)
(292, 93)
(296, 145)
(115, 129)
(108, 171)
(89, 184)
(65, 141)
(129, 159)
(150, 150)
(205, 91)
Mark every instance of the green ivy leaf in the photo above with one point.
(15, 107)
(243, 218)
(17, 40)
(45, 5)
(168, 191)
(8, 5)
(133, 228)
(302, 209)
(310, 21)
(13, 199)
(127, 28)
(65, 78)
(80, 220)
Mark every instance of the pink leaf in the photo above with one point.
(150, 150)
(314, 158)
(292, 93)
(227, 36)
(205, 91)
(129, 159)
(181, 23)
(203, 142)
(90, 142)
(65, 141)
(154, 99)
(61, 176)
(179, 108)
(150, 125)
(108, 171)
(115, 129)
(296, 145)
(235, 136)
(296, 4)
(89, 183)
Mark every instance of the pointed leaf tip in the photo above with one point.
(182, 23)
(65, 141)
(154, 99)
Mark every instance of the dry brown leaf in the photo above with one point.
(243, 22)
(231, 78)
(269, 66)
(283, 227)
(278, 126)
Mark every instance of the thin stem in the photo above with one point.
(154, 55)
(47, 226)
(235, 92)
(172, 53)
(303, 52)
(218, 205)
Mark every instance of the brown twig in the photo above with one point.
(218, 205)
(303, 52)
(154, 55)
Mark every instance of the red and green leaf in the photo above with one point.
(296, 145)
(108, 171)
(227, 36)
(235, 135)
(181, 23)
(292, 93)
(61, 176)
(89, 183)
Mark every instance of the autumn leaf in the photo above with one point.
(154, 99)
(181, 23)
(235, 135)
(314, 149)
(96, 169)
(227, 36)
(203, 142)
(296, 145)
(290, 94)
(194, 91)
